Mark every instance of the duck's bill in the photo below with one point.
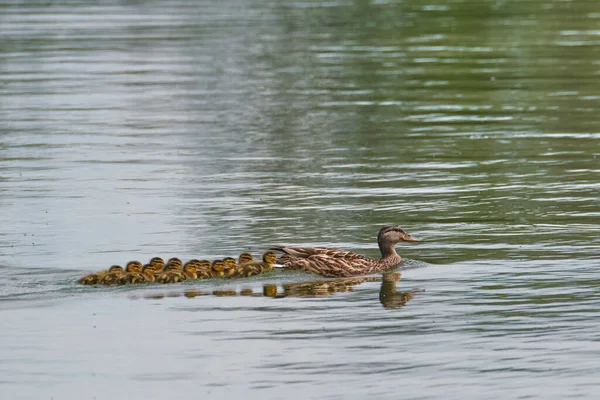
(409, 238)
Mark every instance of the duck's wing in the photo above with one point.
(304, 252)
(328, 266)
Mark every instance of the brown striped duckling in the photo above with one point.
(217, 268)
(230, 265)
(112, 276)
(132, 274)
(149, 272)
(171, 276)
(158, 263)
(95, 278)
(245, 258)
(257, 267)
(189, 271)
(204, 265)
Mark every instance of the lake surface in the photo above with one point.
(130, 130)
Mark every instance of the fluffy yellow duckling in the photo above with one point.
(230, 265)
(189, 271)
(158, 263)
(149, 272)
(95, 278)
(175, 260)
(132, 274)
(217, 268)
(204, 265)
(112, 276)
(257, 267)
(171, 276)
(245, 258)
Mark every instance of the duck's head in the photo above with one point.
(149, 269)
(133, 266)
(392, 234)
(116, 268)
(245, 258)
(175, 260)
(157, 262)
(269, 257)
(218, 266)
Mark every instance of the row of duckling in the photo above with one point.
(173, 271)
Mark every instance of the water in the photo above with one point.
(203, 129)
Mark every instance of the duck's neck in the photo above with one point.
(388, 254)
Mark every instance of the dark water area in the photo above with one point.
(130, 130)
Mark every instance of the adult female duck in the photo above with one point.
(340, 263)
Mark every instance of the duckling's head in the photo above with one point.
(229, 262)
(149, 269)
(193, 262)
(245, 258)
(269, 257)
(133, 266)
(175, 260)
(157, 262)
(116, 268)
(203, 265)
(172, 267)
(218, 266)
(190, 268)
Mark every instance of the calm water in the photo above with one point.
(203, 129)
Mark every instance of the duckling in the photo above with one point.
(171, 276)
(172, 267)
(132, 274)
(157, 262)
(203, 274)
(112, 276)
(268, 261)
(93, 279)
(189, 271)
(175, 260)
(217, 268)
(245, 258)
(204, 265)
(256, 267)
(230, 265)
(149, 272)
(192, 261)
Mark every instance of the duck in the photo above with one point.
(171, 273)
(95, 278)
(149, 272)
(157, 262)
(171, 276)
(132, 274)
(334, 263)
(204, 265)
(175, 261)
(189, 271)
(217, 268)
(230, 265)
(251, 268)
(245, 258)
(112, 276)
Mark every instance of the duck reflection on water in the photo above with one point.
(389, 296)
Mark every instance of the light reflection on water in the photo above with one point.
(202, 130)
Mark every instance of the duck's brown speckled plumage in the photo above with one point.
(340, 263)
